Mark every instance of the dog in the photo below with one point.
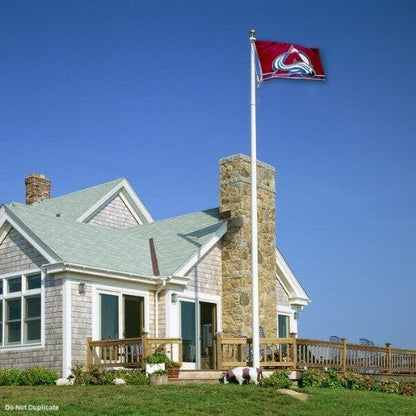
(119, 382)
(240, 374)
(65, 381)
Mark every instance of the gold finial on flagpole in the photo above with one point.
(252, 33)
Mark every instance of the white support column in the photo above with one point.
(66, 328)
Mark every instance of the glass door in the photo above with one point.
(109, 316)
(133, 316)
(188, 332)
(208, 312)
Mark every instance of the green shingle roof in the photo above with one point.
(126, 250)
(73, 205)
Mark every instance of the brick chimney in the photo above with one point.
(37, 188)
(235, 197)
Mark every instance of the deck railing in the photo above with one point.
(289, 353)
(293, 353)
(130, 352)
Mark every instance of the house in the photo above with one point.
(94, 263)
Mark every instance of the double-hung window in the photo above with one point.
(20, 310)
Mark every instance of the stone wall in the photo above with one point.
(114, 215)
(235, 197)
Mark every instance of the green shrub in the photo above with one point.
(313, 378)
(355, 381)
(135, 377)
(389, 386)
(37, 376)
(279, 379)
(10, 377)
(34, 376)
(100, 377)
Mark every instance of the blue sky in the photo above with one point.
(158, 92)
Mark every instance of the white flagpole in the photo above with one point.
(254, 237)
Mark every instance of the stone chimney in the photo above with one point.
(235, 202)
(37, 188)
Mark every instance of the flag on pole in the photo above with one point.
(287, 60)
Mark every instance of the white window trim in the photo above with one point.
(98, 289)
(22, 294)
(174, 324)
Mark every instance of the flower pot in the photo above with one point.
(151, 368)
(158, 378)
(173, 372)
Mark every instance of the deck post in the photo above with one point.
(344, 355)
(180, 351)
(144, 348)
(219, 350)
(294, 350)
(389, 369)
(89, 353)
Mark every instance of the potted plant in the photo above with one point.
(156, 362)
(158, 377)
(173, 368)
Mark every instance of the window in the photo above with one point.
(14, 285)
(32, 319)
(283, 322)
(13, 322)
(20, 310)
(33, 282)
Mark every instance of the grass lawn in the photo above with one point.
(199, 400)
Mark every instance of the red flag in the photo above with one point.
(287, 60)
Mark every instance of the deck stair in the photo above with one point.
(197, 377)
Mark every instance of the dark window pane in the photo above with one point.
(109, 317)
(283, 322)
(188, 326)
(13, 329)
(15, 284)
(33, 330)
(13, 309)
(33, 282)
(33, 307)
(1, 287)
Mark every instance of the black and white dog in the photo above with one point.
(239, 374)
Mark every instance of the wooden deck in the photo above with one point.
(285, 353)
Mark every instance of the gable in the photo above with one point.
(17, 254)
(121, 192)
(115, 214)
(288, 284)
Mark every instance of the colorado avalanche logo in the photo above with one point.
(295, 62)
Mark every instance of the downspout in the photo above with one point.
(156, 272)
(157, 306)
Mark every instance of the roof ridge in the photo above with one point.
(189, 214)
(86, 189)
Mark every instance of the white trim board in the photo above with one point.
(196, 257)
(30, 237)
(127, 194)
